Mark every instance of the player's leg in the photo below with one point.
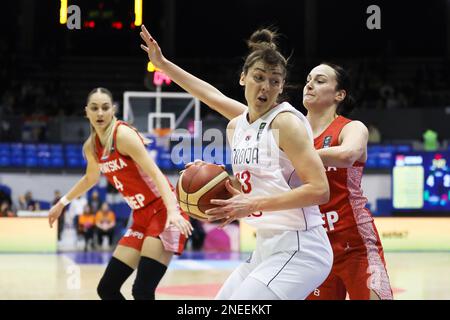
(120, 267)
(152, 267)
(294, 274)
(237, 277)
(331, 289)
(253, 289)
(365, 275)
(157, 250)
(124, 260)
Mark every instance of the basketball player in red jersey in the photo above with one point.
(359, 265)
(159, 227)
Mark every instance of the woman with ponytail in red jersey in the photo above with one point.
(159, 227)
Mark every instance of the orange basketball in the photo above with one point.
(197, 185)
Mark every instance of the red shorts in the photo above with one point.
(149, 222)
(358, 266)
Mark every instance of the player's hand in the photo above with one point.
(176, 219)
(54, 213)
(239, 206)
(152, 48)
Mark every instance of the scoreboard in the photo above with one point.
(421, 182)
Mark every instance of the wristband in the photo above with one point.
(64, 201)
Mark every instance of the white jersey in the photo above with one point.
(265, 170)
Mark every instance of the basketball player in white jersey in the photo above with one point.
(281, 175)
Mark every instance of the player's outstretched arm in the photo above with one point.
(353, 145)
(89, 180)
(205, 92)
(130, 144)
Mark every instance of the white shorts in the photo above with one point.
(290, 264)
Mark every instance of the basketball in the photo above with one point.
(197, 185)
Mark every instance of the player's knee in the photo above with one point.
(107, 291)
(148, 276)
(115, 275)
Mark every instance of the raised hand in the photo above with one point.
(152, 48)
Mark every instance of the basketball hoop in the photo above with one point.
(162, 132)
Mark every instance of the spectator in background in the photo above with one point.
(105, 221)
(76, 209)
(4, 196)
(6, 133)
(6, 210)
(26, 202)
(86, 226)
(61, 218)
(21, 203)
(430, 140)
(374, 134)
(94, 201)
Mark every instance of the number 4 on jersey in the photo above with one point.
(118, 184)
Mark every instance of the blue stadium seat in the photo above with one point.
(16, 147)
(56, 153)
(30, 147)
(44, 162)
(374, 148)
(5, 161)
(385, 160)
(372, 161)
(57, 162)
(403, 148)
(17, 160)
(31, 162)
(56, 148)
(388, 148)
(43, 147)
(74, 147)
(5, 150)
(73, 162)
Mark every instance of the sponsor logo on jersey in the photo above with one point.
(261, 128)
(136, 234)
(112, 166)
(245, 156)
(327, 142)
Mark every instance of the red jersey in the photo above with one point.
(346, 207)
(138, 189)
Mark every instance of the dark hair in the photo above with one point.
(263, 47)
(346, 106)
(102, 90)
